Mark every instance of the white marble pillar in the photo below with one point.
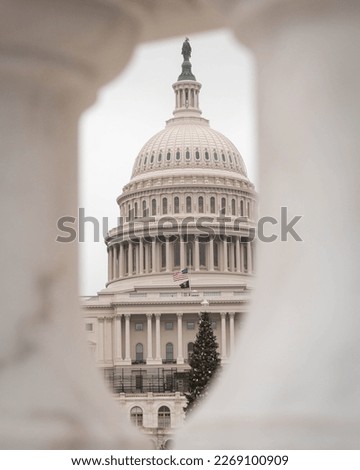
(211, 254)
(232, 256)
(299, 367)
(196, 254)
(130, 259)
(180, 355)
(154, 258)
(238, 255)
(225, 254)
(149, 338)
(127, 339)
(249, 257)
(223, 336)
(100, 340)
(168, 257)
(111, 265)
(157, 338)
(182, 253)
(108, 340)
(242, 256)
(115, 262)
(232, 332)
(147, 248)
(121, 261)
(141, 256)
(118, 338)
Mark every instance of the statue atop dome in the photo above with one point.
(186, 49)
(186, 73)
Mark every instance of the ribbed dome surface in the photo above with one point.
(189, 143)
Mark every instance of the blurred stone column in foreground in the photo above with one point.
(54, 55)
(294, 381)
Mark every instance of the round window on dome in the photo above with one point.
(207, 155)
(197, 155)
(177, 155)
(168, 156)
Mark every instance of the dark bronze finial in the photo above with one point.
(186, 73)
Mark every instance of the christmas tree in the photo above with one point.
(204, 362)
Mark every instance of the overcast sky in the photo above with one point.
(136, 105)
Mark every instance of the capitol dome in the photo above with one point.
(182, 175)
(188, 143)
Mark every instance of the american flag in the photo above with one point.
(181, 275)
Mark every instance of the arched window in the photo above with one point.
(233, 206)
(212, 205)
(223, 205)
(168, 156)
(223, 157)
(144, 208)
(164, 205)
(230, 159)
(215, 156)
(139, 350)
(188, 204)
(136, 415)
(164, 417)
(241, 208)
(177, 155)
(201, 205)
(153, 207)
(169, 352)
(197, 155)
(207, 155)
(145, 160)
(129, 212)
(187, 155)
(248, 210)
(152, 158)
(190, 349)
(136, 209)
(176, 205)
(159, 157)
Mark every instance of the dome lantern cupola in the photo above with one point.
(186, 89)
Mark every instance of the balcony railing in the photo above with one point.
(159, 381)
